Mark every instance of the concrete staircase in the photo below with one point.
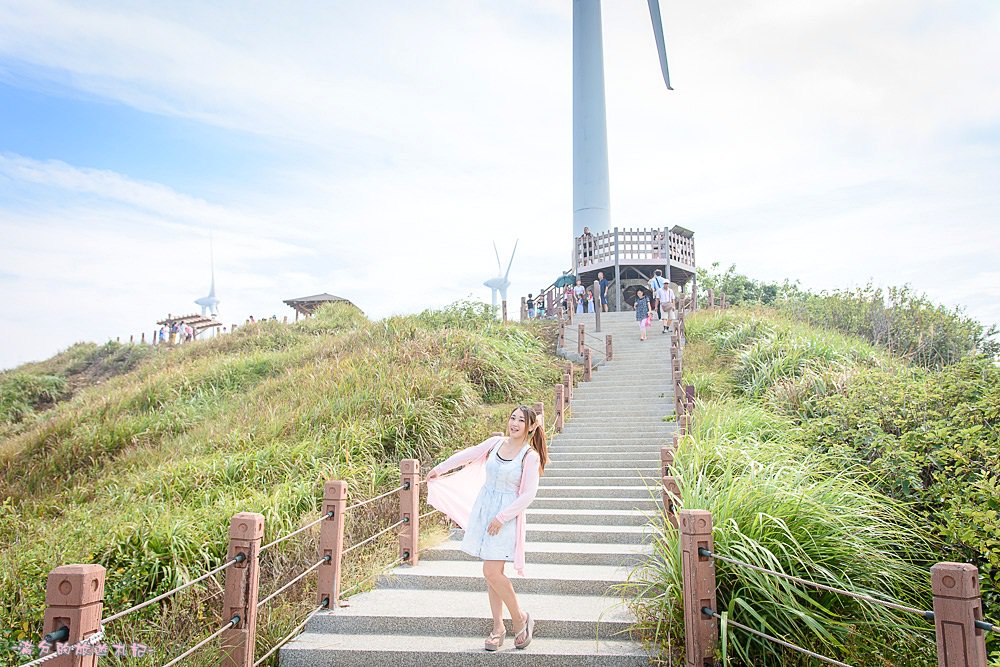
(586, 528)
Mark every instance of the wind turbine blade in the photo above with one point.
(497, 253)
(511, 259)
(661, 47)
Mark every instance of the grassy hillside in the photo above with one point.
(142, 472)
(825, 456)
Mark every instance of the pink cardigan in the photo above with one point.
(455, 494)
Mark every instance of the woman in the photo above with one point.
(504, 472)
(641, 306)
(580, 294)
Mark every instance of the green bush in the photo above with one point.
(22, 394)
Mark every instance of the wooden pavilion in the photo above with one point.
(307, 305)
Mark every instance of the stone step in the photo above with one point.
(577, 461)
(577, 503)
(590, 517)
(564, 455)
(579, 553)
(540, 578)
(635, 491)
(376, 650)
(633, 480)
(603, 472)
(545, 532)
(601, 446)
(406, 611)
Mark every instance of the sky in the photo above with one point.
(375, 150)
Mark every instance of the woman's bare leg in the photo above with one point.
(496, 606)
(501, 586)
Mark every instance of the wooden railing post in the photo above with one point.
(588, 366)
(550, 301)
(666, 459)
(579, 339)
(957, 607)
(524, 308)
(503, 306)
(722, 301)
(562, 335)
(74, 599)
(331, 542)
(539, 409)
(409, 511)
(597, 306)
(711, 298)
(689, 399)
(608, 349)
(246, 530)
(569, 381)
(671, 492)
(560, 408)
(701, 632)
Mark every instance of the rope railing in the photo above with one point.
(284, 640)
(372, 538)
(232, 622)
(238, 559)
(295, 532)
(929, 615)
(92, 639)
(371, 500)
(321, 561)
(707, 611)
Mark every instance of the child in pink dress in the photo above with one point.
(488, 498)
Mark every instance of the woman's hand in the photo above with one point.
(494, 527)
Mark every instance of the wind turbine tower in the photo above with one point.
(210, 303)
(591, 189)
(501, 282)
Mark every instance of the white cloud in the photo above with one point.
(827, 141)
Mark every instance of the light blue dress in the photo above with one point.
(503, 478)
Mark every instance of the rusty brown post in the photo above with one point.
(284, 319)
(550, 304)
(331, 541)
(503, 305)
(666, 459)
(569, 380)
(701, 631)
(559, 408)
(609, 352)
(671, 492)
(711, 298)
(588, 366)
(74, 599)
(723, 304)
(689, 398)
(570, 307)
(409, 511)
(596, 304)
(539, 409)
(562, 335)
(579, 339)
(524, 308)
(957, 607)
(684, 422)
(118, 339)
(142, 338)
(242, 581)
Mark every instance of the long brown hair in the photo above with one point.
(538, 442)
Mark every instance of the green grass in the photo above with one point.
(142, 473)
(823, 456)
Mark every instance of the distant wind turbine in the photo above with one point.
(501, 282)
(210, 303)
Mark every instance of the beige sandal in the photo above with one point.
(528, 630)
(495, 640)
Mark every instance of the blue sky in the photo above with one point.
(376, 149)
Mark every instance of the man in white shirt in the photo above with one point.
(666, 298)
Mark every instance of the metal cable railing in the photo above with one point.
(284, 640)
(324, 559)
(929, 615)
(296, 532)
(372, 538)
(370, 577)
(371, 500)
(238, 559)
(710, 612)
(232, 622)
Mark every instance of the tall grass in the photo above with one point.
(778, 506)
(142, 473)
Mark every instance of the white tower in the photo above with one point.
(591, 188)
